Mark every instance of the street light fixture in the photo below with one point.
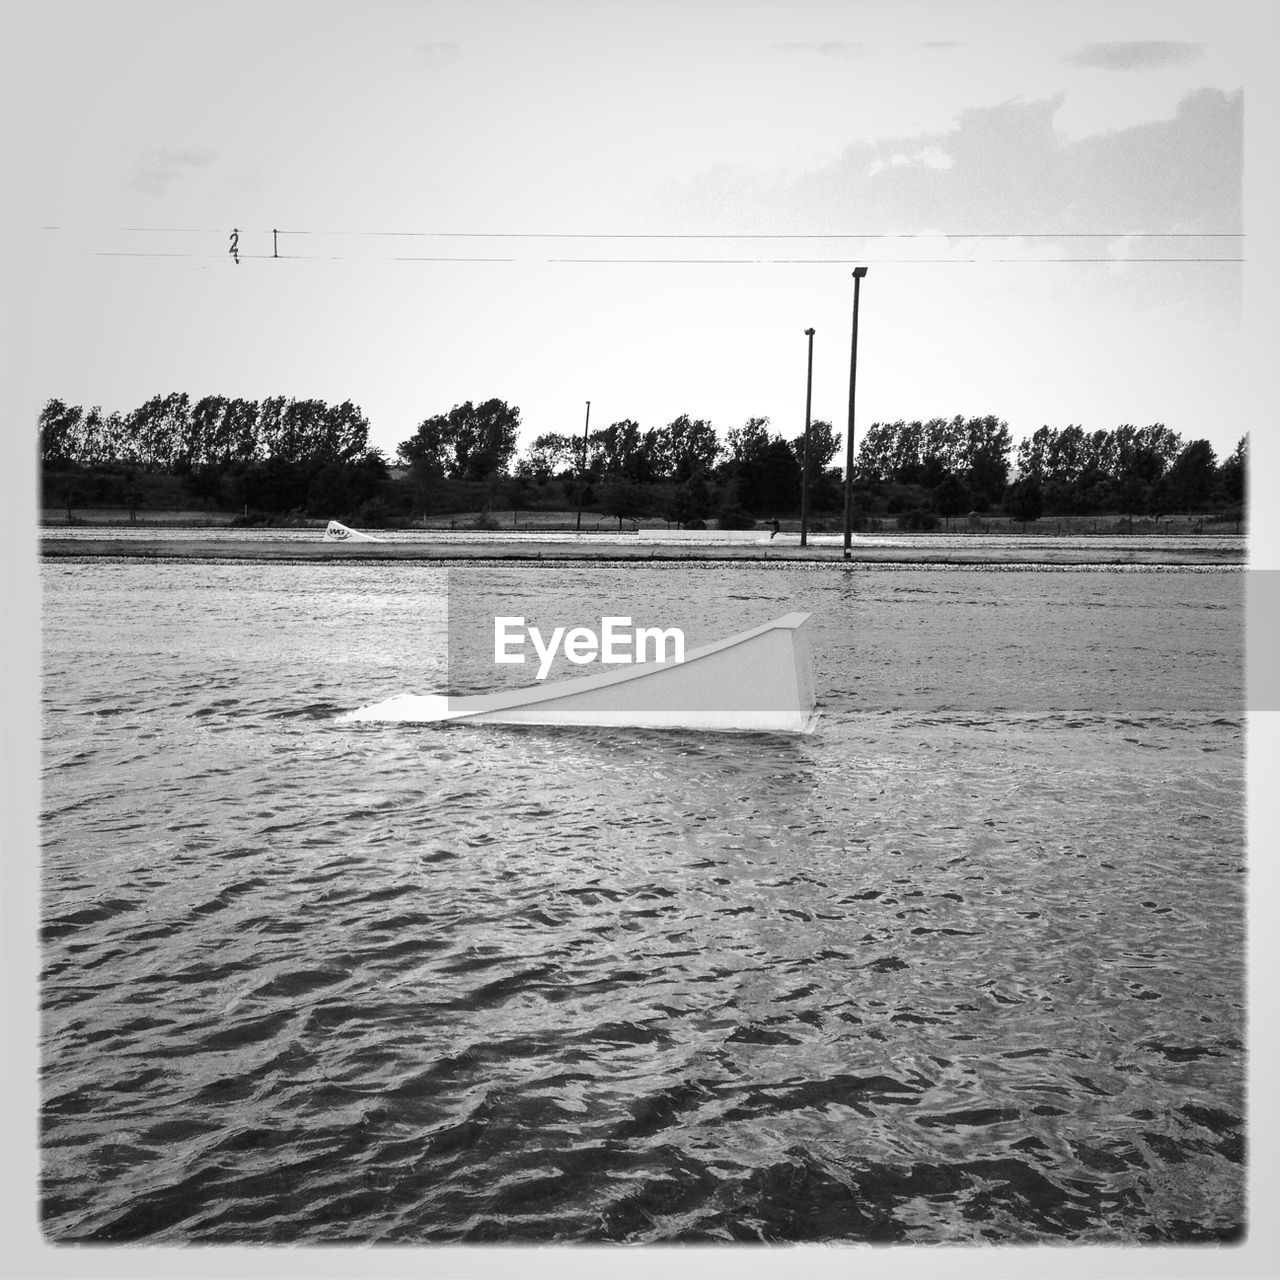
(804, 465)
(858, 273)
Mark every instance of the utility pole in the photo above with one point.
(858, 273)
(582, 466)
(804, 465)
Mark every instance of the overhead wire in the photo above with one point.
(726, 237)
(707, 235)
(658, 262)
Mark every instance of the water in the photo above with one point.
(964, 966)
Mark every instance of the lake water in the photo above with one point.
(965, 965)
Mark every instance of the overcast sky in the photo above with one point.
(644, 206)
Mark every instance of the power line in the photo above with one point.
(656, 262)
(693, 259)
(782, 235)
(836, 262)
(722, 235)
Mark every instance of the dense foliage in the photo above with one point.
(470, 442)
(171, 433)
(293, 456)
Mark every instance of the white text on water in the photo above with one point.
(613, 644)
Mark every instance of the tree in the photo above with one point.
(951, 497)
(424, 453)
(159, 426)
(622, 449)
(770, 480)
(1144, 452)
(241, 438)
(944, 441)
(470, 442)
(330, 491)
(620, 497)
(343, 434)
(368, 476)
(1133, 493)
(907, 460)
(1033, 453)
(688, 445)
(691, 500)
(199, 442)
(1161, 499)
(316, 433)
(1192, 475)
(823, 447)
(89, 438)
(933, 470)
(747, 442)
(519, 494)
(1233, 473)
(1066, 454)
(271, 427)
(550, 454)
(204, 484)
(985, 458)
(1023, 500)
(874, 463)
(58, 426)
(273, 485)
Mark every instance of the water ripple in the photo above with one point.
(942, 973)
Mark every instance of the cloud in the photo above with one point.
(827, 48)
(1138, 55)
(155, 171)
(436, 54)
(1008, 170)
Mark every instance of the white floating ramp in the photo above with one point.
(336, 532)
(759, 680)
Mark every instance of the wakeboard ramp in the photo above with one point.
(336, 532)
(759, 680)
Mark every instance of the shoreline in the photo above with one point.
(54, 548)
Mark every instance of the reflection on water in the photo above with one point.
(966, 965)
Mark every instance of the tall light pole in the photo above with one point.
(804, 465)
(582, 469)
(858, 273)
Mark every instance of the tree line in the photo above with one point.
(1140, 470)
(290, 454)
(173, 433)
(617, 468)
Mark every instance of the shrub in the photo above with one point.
(917, 519)
(734, 517)
(375, 513)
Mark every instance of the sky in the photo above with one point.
(643, 206)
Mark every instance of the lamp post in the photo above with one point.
(804, 464)
(858, 273)
(582, 468)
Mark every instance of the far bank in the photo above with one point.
(922, 549)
